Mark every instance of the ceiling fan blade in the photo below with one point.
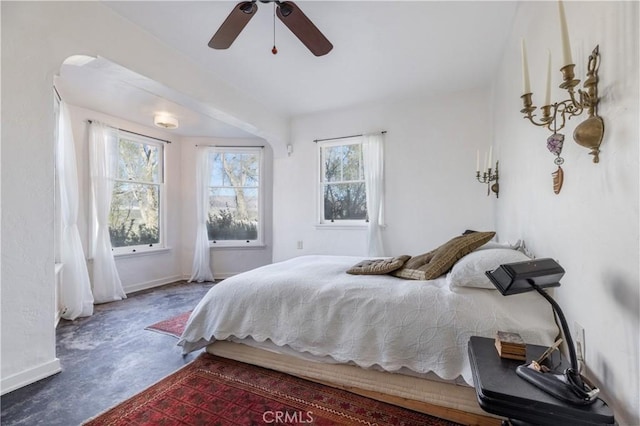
(233, 25)
(303, 28)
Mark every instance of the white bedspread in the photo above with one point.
(312, 305)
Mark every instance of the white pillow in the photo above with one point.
(506, 245)
(469, 271)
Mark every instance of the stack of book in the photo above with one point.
(511, 345)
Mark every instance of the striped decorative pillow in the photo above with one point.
(431, 265)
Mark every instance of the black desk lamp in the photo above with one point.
(520, 277)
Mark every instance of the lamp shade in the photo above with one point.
(514, 278)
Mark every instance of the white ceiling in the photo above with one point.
(383, 50)
(103, 86)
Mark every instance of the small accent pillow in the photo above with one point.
(378, 266)
(470, 270)
(431, 265)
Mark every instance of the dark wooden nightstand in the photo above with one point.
(500, 391)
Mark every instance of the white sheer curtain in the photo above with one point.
(75, 288)
(201, 271)
(103, 160)
(373, 159)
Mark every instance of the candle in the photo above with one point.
(564, 32)
(547, 93)
(490, 154)
(485, 163)
(478, 160)
(526, 85)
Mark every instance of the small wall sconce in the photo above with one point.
(488, 175)
(588, 133)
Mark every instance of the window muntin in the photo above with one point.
(135, 216)
(342, 185)
(235, 197)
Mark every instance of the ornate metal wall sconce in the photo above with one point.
(488, 175)
(588, 133)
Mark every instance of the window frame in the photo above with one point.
(321, 222)
(259, 241)
(161, 245)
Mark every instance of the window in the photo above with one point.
(135, 217)
(342, 186)
(235, 196)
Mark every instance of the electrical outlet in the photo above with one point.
(299, 245)
(578, 337)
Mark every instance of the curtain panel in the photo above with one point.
(103, 159)
(75, 288)
(373, 162)
(201, 270)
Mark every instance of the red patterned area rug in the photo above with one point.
(216, 391)
(173, 326)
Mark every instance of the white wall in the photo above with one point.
(36, 38)
(229, 261)
(591, 227)
(430, 160)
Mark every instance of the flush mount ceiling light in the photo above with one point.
(165, 121)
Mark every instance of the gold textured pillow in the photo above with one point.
(378, 266)
(431, 265)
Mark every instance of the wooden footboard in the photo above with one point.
(446, 413)
(440, 399)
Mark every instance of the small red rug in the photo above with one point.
(216, 391)
(173, 326)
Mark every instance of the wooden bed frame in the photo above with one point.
(437, 398)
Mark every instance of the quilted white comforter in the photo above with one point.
(312, 305)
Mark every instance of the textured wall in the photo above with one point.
(591, 227)
(36, 38)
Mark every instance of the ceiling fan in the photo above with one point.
(289, 14)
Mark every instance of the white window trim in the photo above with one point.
(259, 241)
(321, 223)
(142, 249)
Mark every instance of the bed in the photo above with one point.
(398, 340)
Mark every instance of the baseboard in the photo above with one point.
(29, 376)
(151, 284)
(226, 275)
(215, 276)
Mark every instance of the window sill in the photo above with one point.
(338, 226)
(237, 247)
(141, 252)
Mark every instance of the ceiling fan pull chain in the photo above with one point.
(274, 50)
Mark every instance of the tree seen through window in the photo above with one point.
(343, 186)
(234, 195)
(134, 216)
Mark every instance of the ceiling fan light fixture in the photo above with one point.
(166, 121)
(288, 12)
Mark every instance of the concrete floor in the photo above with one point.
(106, 358)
